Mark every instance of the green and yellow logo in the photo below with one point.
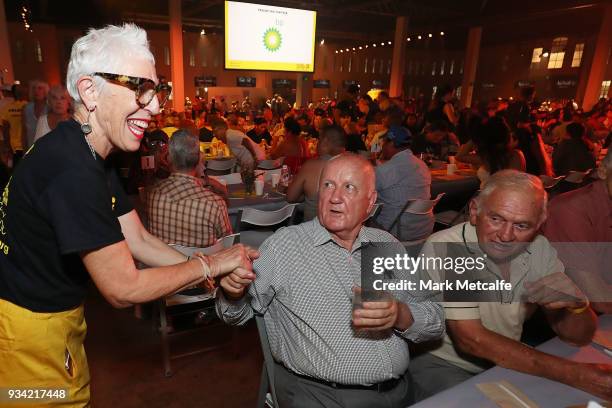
(272, 39)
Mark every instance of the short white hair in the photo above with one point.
(514, 180)
(105, 50)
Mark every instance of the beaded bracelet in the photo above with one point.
(209, 282)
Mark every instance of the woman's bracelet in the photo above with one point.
(209, 281)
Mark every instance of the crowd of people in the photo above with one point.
(66, 219)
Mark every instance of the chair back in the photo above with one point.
(550, 182)
(221, 165)
(221, 244)
(232, 178)
(422, 207)
(267, 375)
(375, 210)
(271, 164)
(577, 177)
(267, 218)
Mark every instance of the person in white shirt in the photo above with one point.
(58, 111)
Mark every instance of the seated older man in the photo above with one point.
(327, 354)
(584, 217)
(504, 222)
(182, 209)
(305, 185)
(401, 178)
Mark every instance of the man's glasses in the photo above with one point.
(144, 88)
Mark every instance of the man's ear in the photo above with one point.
(473, 211)
(87, 91)
(372, 200)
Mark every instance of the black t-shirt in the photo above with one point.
(257, 138)
(58, 203)
(354, 143)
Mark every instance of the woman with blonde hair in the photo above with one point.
(59, 107)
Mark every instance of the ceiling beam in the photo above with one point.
(200, 7)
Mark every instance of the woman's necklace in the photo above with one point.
(93, 152)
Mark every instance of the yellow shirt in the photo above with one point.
(12, 113)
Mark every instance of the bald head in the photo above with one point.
(362, 167)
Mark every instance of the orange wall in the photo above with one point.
(501, 65)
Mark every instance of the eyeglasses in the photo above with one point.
(144, 88)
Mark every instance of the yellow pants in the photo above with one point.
(43, 351)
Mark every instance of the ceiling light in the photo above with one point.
(353, 48)
(408, 39)
(441, 32)
(336, 51)
(373, 45)
(341, 50)
(389, 42)
(360, 47)
(545, 55)
(322, 41)
(419, 37)
(382, 44)
(430, 35)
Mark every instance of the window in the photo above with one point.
(433, 92)
(557, 53)
(605, 88)
(192, 57)
(350, 64)
(389, 67)
(373, 65)
(536, 57)
(442, 67)
(381, 66)
(458, 92)
(166, 55)
(433, 68)
(203, 60)
(461, 68)
(577, 57)
(409, 67)
(365, 66)
(341, 67)
(38, 51)
(452, 67)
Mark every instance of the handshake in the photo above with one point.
(235, 268)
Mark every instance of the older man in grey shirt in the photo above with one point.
(401, 178)
(327, 353)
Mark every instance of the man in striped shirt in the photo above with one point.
(327, 353)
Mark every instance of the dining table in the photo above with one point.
(543, 392)
(270, 200)
(458, 187)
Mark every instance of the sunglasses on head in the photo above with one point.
(144, 88)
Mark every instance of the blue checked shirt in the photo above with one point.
(304, 289)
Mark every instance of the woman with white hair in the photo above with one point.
(65, 219)
(59, 111)
(36, 108)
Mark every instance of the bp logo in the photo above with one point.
(272, 39)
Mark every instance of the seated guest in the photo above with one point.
(537, 161)
(367, 109)
(412, 124)
(401, 178)
(206, 133)
(306, 128)
(504, 222)
(59, 110)
(326, 353)
(305, 185)
(492, 142)
(260, 131)
(585, 215)
(436, 139)
(293, 147)
(246, 151)
(354, 142)
(181, 209)
(573, 153)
